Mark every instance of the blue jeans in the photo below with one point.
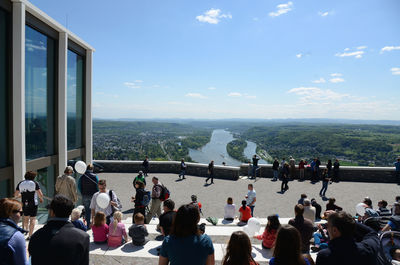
(317, 241)
(324, 188)
(252, 210)
(86, 199)
(275, 174)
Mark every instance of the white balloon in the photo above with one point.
(103, 200)
(254, 225)
(247, 231)
(80, 167)
(360, 209)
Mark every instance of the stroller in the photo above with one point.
(388, 240)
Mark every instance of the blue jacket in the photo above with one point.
(12, 253)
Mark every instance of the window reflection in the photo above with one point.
(4, 88)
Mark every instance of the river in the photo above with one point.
(216, 150)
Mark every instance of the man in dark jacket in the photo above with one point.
(343, 248)
(88, 185)
(304, 226)
(59, 242)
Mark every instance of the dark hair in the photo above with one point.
(250, 185)
(331, 201)
(238, 251)
(344, 222)
(229, 200)
(170, 204)
(384, 203)
(392, 251)
(99, 218)
(102, 182)
(90, 167)
(7, 206)
(288, 247)
(30, 175)
(274, 223)
(155, 178)
(185, 221)
(61, 206)
(397, 198)
(299, 209)
(367, 201)
(140, 184)
(244, 204)
(303, 195)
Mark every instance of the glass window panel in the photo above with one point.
(39, 94)
(74, 100)
(4, 88)
(5, 188)
(46, 179)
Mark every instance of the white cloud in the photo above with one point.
(195, 95)
(316, 95)
(336, 80)
(131, 85)
(356, 54)
(319, 81)
(395, 70)
(390, 48)
(323, 14)
(249, 96)
(212, 16)
(234, 94)
(299, 55)
(211, 88)
(138, 81)
(347, 49)
(361, 47)
(282, 9)
(336, 74)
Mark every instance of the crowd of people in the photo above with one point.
(343, 238)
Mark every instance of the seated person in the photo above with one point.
(245, 212)
(395, 253)
(332, 206)
(394, 223)
(76, 213)
(138, 231)
(230, 210)
(117, 233)
(167, 217)
(318, 209)
(196, 203)
(100, 228)
(321, 238)
(382, 210)
(302, 197)
(270, 232)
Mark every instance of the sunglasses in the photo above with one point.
(18, 211)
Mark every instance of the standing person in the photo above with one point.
(29, 190)
(183, 169)
(59, 242)
(12, 241)
(88, 185)
(397, 166)
(167, 217)
(336, 167)
(185, 244)
(313, 170)
(329, 167)
(325, 182)
(109, 210)
(138, 199)
(66, 185)
(275, 168)
(304, 226)
(285, 178)
(251, 198)
(139, 177)
(342, 247)
(288, 248)
(292, 164)
(301, 169)
(255, 165)
(146, 166)
(155, 208)
(210, 172)
(283, 162)
(238, 250)
(317, 165)
(229, 210)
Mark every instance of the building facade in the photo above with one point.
(45, 97)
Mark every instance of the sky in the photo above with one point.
(257, 59)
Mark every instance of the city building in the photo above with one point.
(45, 96)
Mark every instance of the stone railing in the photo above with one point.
(361, 174)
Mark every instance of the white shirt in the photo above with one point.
(251, 195)
(309, 213)
(108, 210)
(230, 210)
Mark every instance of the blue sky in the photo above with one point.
(240, 59)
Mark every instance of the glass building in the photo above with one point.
(45, 97)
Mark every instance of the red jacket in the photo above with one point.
(268, 238)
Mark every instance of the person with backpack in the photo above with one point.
(156, 195)
(88, 185)
(139, 177)
(141, 199)
(112, 205)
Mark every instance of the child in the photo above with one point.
(270, 232)
(138, 231)
(245, 212)
(117, 234)
(76, 213)
(100, 228)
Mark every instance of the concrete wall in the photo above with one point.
(361, 174)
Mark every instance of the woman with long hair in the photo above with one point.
(238, 251)
(288, 248)
(185, 244)
(271, 230)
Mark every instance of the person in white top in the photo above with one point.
(230, 210)
(309, 211)
(251, 198)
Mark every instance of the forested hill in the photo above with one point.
(363, 145)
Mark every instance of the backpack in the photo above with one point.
(165, 193)
(146, 198)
